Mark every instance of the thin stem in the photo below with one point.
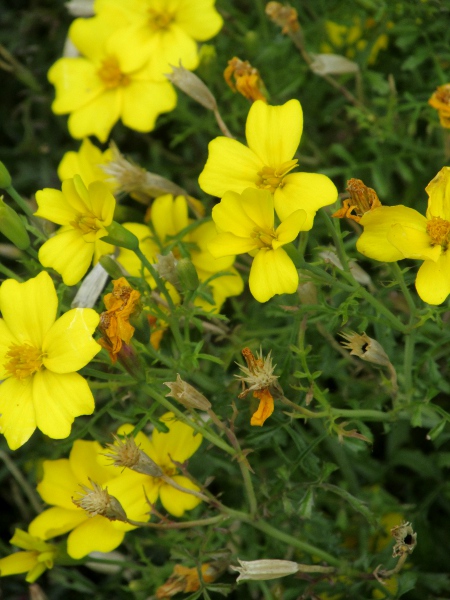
(9, 273)
(223, 128)
(179, 525)
(19, 201)
(180, 488)
(26, 487)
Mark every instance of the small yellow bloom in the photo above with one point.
(247, 80)
(64, 479)
(87, 163)
(38, 557)
(440, 100)
(273, 135)
(84, 214)
(246, 223)
(39, 357)
(392, 233)
(108, 82)
(351, 39)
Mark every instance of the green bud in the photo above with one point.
(12, 227)
(119, 236)
(187, 275)
(5, 177)
(111, 266)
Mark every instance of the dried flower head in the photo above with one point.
(187, 395)
(285, 17)
(362, 200)
(440, 100)
(125, 453)
(405, 538)
(264, 569)
(247, 80)
(97, 501)
(184, 579)
(365, 348)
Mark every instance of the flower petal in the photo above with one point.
(29, 309)
(88, 462)
(102, 202)
(199, 19)
(272, 272)
(59, 483)
(68, 254)
(433, 280)
(58, 399)
(228, 244)
(169, 216)
(17, 416)
(96, 534)
(229, 216)
(176, 502)
(231, 166)
(258, 207)
(274, 132)
(6, 340)
(52, 205)
(19, 562)
(180, 442)
(438, 191)
(307, 191)
(413, 243)
(77, 84)
(289, 229)
(131, 489)
(90, 36)
(56, 521)
(143, 101)
(98, 116)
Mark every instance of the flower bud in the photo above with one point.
(119, 236)
(187, 395)
(192, 86)
(264, 569)
(111, 266)
(187, 275)
(11, 225)
(5, 177)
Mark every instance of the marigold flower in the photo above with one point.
(184, 579)
(38, 557)
(87, 163)
(110, 81)
(440, 100)
(61, 482)
(115, 324)
(84, 214)
(247, 80)
(163, 33)
(246, 224)
(362, 199)
(273, 135)
(39, 357)
(164, 449)
(392, 233)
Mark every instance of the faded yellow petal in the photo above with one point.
(274, 132)
(272, 272)
(176, 502)
(17, 416)
(433, 280)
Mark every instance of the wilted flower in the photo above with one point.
(405, 538)
(365, 348)
(184, 579)
(440, 100)
(362, 200)
(284, 16)
(247, 80)
(126, 453)
(96, 500)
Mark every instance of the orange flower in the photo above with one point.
(114, 322)
(186, 580)
(247, 80)
(440, 100)
(284, 16)
(362, 200)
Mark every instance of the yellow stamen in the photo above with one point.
(439, 231)
(86, 224)
(272, 177)
(264, 239)
(111, 75)
(25, 360)
(159, 20)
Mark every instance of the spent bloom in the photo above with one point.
(164, 32)
(37, 556)
(273, 134)
(246, 223)
(185, 579)
(84, 213)
(247, 80)
(108, 82)
(39, 357)
(392, 233)
(362, 199)
(64, 482)
(440, 100)
(87, 163)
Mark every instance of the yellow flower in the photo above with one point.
(87, 163)
(164, 449)
(83, 213)
(351, 38)
(273, 135)
(169, 217)
(38, 557)
(61, 484)
(392, 233)
(163, 32)
(246, 224)
(440, 100)
(39, 357)
(108, 82)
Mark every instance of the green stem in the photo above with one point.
(405, 290)
(9, 273)
(408, 360)
(27, 489)
(334, 228)
(19, 201)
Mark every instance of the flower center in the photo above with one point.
(159, 21)
(111, 75)
(24, 360)
(87, 224)
(272, 177)
(263, 239)
(439, 231)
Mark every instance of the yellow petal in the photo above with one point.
(77, 84)
(53, 206)
(58, 483)
(131, 489)
(199, 19)
(289, 229)
(274, 132)
(76, 194)
(96, 534)
(56, 521)
(17, 416)
(265, 408)
(202, 259)
(176, 502)
(272, 272)
(87, 462)
(19, 562)
(68, 254)
(433, 280)
(144, 101)
(229, 216)
(102, 202)
(258, 207)
(438, 191)
(168, 48)
(58, 399)
(86, 163)
(90, 36)
(29, 309)
(96, 117)
(6, 340)
(307, 191)
(181, 442)
(231, 166)
(169, 216)
(228, 244)
(413, 243)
